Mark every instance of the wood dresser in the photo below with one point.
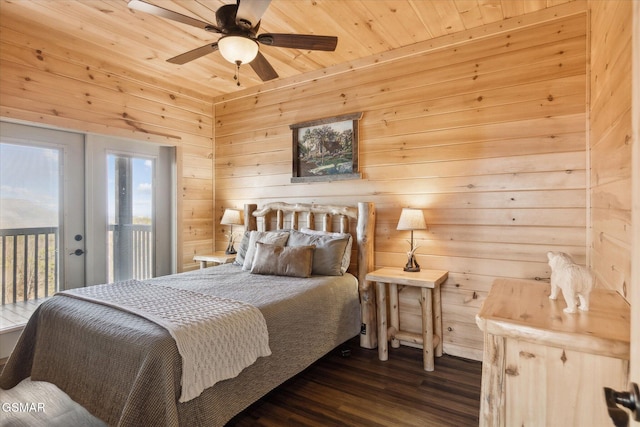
(544, 367)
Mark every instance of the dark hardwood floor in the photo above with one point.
(360, 390)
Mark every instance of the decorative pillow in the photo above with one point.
(242, 249)
(295, 261)
(346, 258)
(274, 237)
(327, 258)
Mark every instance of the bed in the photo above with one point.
(127, 370)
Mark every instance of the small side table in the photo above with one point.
(218, 257)
(429, 283)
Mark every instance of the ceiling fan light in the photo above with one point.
(238, 49)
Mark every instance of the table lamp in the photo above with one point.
(231, 217)
(412, 219)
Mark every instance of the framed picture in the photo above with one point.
(326, 149)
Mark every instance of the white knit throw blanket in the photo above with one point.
(216, 337)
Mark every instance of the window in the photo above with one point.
(131, 237)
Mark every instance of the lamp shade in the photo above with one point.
(238, 49)
(412, 219)
(232, 217)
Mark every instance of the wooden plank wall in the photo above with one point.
(635, 189)
(610, 137)
(484, 130)
(45, 80)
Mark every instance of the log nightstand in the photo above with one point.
(218, 257)
(429, 283)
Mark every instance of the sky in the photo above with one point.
(29, 186)
(142, 187)
(29, 183)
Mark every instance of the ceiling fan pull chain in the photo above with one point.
(237, 76)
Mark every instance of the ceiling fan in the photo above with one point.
(238, 24)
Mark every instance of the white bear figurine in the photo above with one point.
(575, 281)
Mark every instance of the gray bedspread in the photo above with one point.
(126, 370)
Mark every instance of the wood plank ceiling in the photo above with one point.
(110, 32)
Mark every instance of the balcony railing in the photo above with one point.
(131, 252)
(29, 266)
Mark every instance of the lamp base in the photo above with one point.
(412, 265)
(230, 249)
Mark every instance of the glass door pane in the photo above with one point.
(130, 239)
(41, 213)
(29, 221)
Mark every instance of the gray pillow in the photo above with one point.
(346, 258)
(274, 237)
(327, 258)
(242, 249)
(294, 261)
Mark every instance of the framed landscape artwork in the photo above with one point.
(326, 149)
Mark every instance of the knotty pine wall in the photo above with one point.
(486, 134)
(610, 144)
(485, 131)
(44, 80)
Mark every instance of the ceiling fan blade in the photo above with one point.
(193, 54)
(169, 14)
(263, 69)
(250, 12)
(299, 41)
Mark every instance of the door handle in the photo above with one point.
(628, 399)
(77, 252)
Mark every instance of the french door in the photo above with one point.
(41, 212)
(79, 209)
(129, 210)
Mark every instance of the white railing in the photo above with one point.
(29, 263)
(137, 261)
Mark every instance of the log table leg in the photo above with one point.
(383, 352)
(427, 328)
(437, 319)
(394, 314)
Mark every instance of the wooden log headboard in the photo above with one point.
(363, 216)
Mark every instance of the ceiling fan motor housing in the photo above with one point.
(226, 19)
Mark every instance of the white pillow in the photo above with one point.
(278, 238)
